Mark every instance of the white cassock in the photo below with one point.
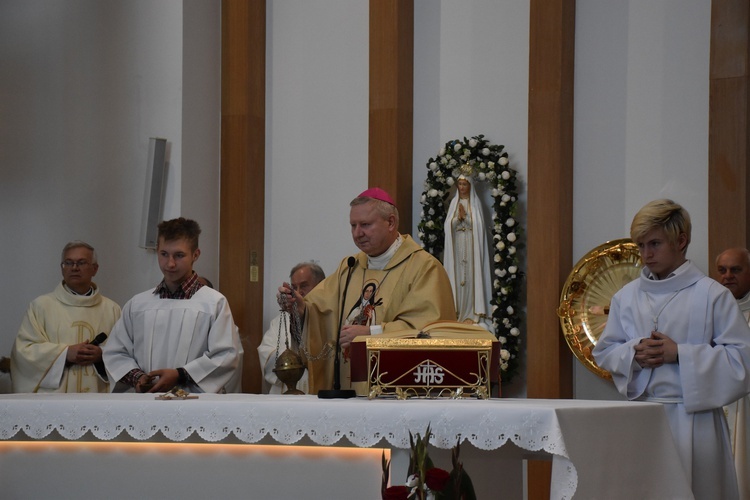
(738, 418)
(197, 334)
(713, 339)
(267, 356)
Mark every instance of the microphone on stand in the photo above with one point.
(337, 392)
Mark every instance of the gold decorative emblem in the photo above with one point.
(429, 368)
(585, 298)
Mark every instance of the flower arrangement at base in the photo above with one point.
(425, 481)
(488, 163)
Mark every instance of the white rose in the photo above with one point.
(510, 310)
(501, 272)
(423, 199)
(506, 198)
(494, 308)
(491, 165)
(503, 366)
(504, 354)
(430, 224)
(432, 212)
(432, 193)
(421, 236)
(497, 272)
(497, 257)
(504, 291)
(515, 331)
(506, 322)
(511, 250)
(421, 214)
(432, 237)
(481, 176)
(486, 151)
(450, 181)
(505, 175)
(442, 151)
(503, 161)
(494, 193)
(473, 143)
(481, 165)
(511, 237)
(502, 340)
(512, 269)
(490, 175)
(496, 284)
(457, 147)
(433, 166)
(500, 245)
(510, 222)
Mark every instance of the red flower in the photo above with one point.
(436, 479)
(396, 493)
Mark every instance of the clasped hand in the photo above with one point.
(83, 354)
(655, 351)
(163, 380)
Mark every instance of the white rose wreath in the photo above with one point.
(489, 164)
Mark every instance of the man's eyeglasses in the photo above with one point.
(75, 263)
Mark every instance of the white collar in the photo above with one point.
(744, 302)
(379, 262)
(676, 272)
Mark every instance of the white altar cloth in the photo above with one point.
(604, 449)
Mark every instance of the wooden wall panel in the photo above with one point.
(391, 102)
(550, 206)
(728, 179)
(243, 76)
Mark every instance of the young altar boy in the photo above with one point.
(180, 334)
(677, 337)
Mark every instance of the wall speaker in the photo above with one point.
(153, 197)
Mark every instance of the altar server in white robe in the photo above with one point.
(677, 337)
(733, 268)
(180, 334)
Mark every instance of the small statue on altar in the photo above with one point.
(466, 255)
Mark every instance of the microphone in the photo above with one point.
(337, 392)
(99, 339)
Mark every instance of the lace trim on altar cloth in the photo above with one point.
(487, 425)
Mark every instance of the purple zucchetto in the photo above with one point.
(377, 194)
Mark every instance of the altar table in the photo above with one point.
(599, 449)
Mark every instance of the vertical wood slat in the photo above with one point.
(728, 133)
(550, 206)
(391, 102)
(242, 206)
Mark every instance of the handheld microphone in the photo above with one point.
(99, 339)
(337, 392)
